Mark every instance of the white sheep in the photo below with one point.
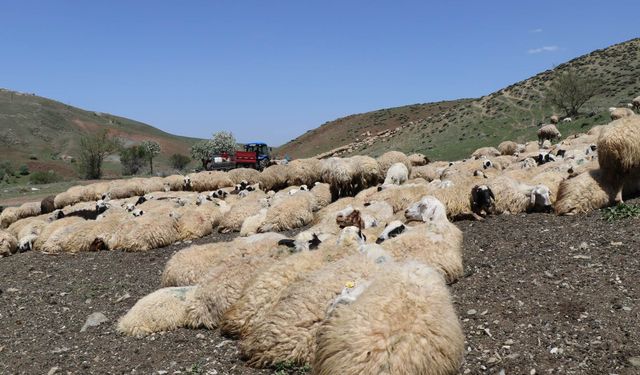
(554, 119)
(567, 119)
(287, 332)
(508, 148)
(548, 132)
(397, 174)
(636, 104)
(618, 113)
(389, 158)
(619, 152)
(289, 213)
(8, 243)
(512, 196)
(402, 322)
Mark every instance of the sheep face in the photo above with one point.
(540, 199)
(56, 215)
(129, 207)
(487, 164)
(393, 229)
(106, 196)
(352, 218)
(137, 212)
(479, 173)
(561, 153)
(26, 243)
(187, 183)
(101, 206)
(482, 199)
(427, 209)
(351, 235)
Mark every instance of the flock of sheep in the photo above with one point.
(363, 289)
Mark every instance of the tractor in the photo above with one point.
(256, 155)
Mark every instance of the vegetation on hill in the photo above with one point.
(452, 130)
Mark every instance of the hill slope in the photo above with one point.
(33, 126)
(452, 130)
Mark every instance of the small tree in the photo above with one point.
(179, 161)
(202, 151)
(132, 158)
(569, 91)
(151, 149)
(224, 142)
(93, 150)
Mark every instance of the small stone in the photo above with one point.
(492, 360)
(554, 350)
(12, 290)
(162, 372)
(634, 361)
(471, 312)
(200, 336)
(509, 342)
(123, 297)
(626, 308)
(616, 243)
(532, 372)
(581, 257)
(53, 370)
(94, 320)
(583, 246)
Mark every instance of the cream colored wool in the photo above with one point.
(389, 158)
(152, 184)
(248, 206)
(287, 332)
(190, 265)
(275, 177)
(586, 192)
(418, 160)
(288, 213)
(147, 232)
(511, 196)
(304, 172)
(119, 189)
(366, 172)
(209, 180)
(251, 224)
(267, 287)
(404, 322)
(508, 148)
(619, 152)
(250, 175)
(12, 214)
(396, 175)
(485, 151)
(173, 183)
(339, 174)
(163, 310)
(8, 243)
(197, 222)
(322, 194)
(619, 113)
(548, 132)
(400, 197)
(429, 172)
(53, 228)
(73, 195)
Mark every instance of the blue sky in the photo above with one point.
(270, 70)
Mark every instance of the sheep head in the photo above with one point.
(540, 198)
(391, 230)
(482, 199)
(429, 208)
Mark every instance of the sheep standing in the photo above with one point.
(339, 174)
(548, 132)
(287, 332)
(366, 172)
(418, 160)
(554, 119)
(8, 243)
(404, 322)
(304, 171)
(619, 152)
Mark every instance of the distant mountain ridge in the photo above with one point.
(453, 129)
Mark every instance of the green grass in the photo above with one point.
(289, 368)
(621, 211)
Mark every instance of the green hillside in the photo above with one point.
(452, 130)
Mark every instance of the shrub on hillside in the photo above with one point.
(132, 159)
(44, 177)
(23, 170)
(179, 161)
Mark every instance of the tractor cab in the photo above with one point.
(262, 152)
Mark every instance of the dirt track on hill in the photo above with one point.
(558, 295)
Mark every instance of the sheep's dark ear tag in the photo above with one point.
(287, 242)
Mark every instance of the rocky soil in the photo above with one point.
(542, 295)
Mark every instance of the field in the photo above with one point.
(551, 294)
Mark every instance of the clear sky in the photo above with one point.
(270, 70)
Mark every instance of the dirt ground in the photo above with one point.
(542, 295)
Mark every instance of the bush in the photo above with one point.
(132, 159)
(93, 150)
(621, 211)
(23, 170)
(179, 161)
(33, 157)
(6, 169)
(44, 177)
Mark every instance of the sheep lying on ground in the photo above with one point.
(248, 175)
(289, 213)
(8, 243)
(397, 174)
(619, 152)
(418, 160)
(239, 211)
(485, 151)
(287, 332)
(12, 214)
(207, 181)
(508, 148)
(583, 193)
(618, 113)
(389, 158)
(267, 287)
(47, 205)
(436, 242)
(548, 132)
(171, 302)
(402, 322)
(322, 194)
(512, 196)
(275, 177)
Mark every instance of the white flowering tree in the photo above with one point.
(151, 150)
(223, 141)
(202, 151)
